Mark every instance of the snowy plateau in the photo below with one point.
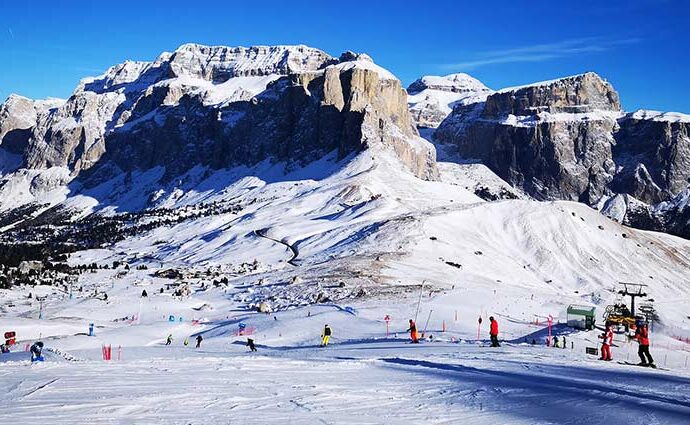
(263, 193)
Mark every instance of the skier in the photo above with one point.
(413, 332)
(199, 338)
(144, 294)
(186, 342)
(325, 336)
(493, 332)
(36, 350)
(250, 344)
(168, 340)
(642, 336)
(607, 336)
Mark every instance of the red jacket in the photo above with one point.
(608, 337)
(642, 335)
(494, 328)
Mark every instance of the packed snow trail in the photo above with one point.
(358, 382)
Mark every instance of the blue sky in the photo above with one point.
(641, 46)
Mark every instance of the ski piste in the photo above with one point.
(648, 366)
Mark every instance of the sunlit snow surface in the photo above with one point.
(366, 222)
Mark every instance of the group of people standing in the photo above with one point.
(642, 337)
(493, 332)
(199, 338)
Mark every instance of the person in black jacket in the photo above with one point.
(325, 336)
(250, 344)
(199, 338)
(36, 350)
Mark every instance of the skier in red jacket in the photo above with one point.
(642, 336)
(493, 332)
(607, 336)
(413, 332)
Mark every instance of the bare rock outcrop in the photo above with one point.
(552, 139)
(568, 139)
(218, 107)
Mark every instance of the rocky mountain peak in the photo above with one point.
(220, 63)
(218, 107)
(575, 94)
(215, 64)
(351, 56)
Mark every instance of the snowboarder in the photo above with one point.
(168, 340)
(36, 350)
(607, 336)
(642, 336)
(325, 336)
(493, 332)
(199, 338)
(144, 294)
(250, 344)
(413, 332)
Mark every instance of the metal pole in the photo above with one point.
(420, 301)
(427, 322)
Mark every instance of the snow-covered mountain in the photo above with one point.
(214, 107)
(432, 98)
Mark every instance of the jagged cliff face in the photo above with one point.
(568, 139)
(75, 134)
(218, 107)
(18, 116)
(653, 152)
(297, 119)
(552, 139)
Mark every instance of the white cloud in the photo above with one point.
(541, 52)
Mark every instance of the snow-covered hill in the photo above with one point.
(348, 243)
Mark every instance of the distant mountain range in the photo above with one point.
(209, 108)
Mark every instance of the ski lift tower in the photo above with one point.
(633, 290)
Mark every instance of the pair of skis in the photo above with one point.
(649, 365)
